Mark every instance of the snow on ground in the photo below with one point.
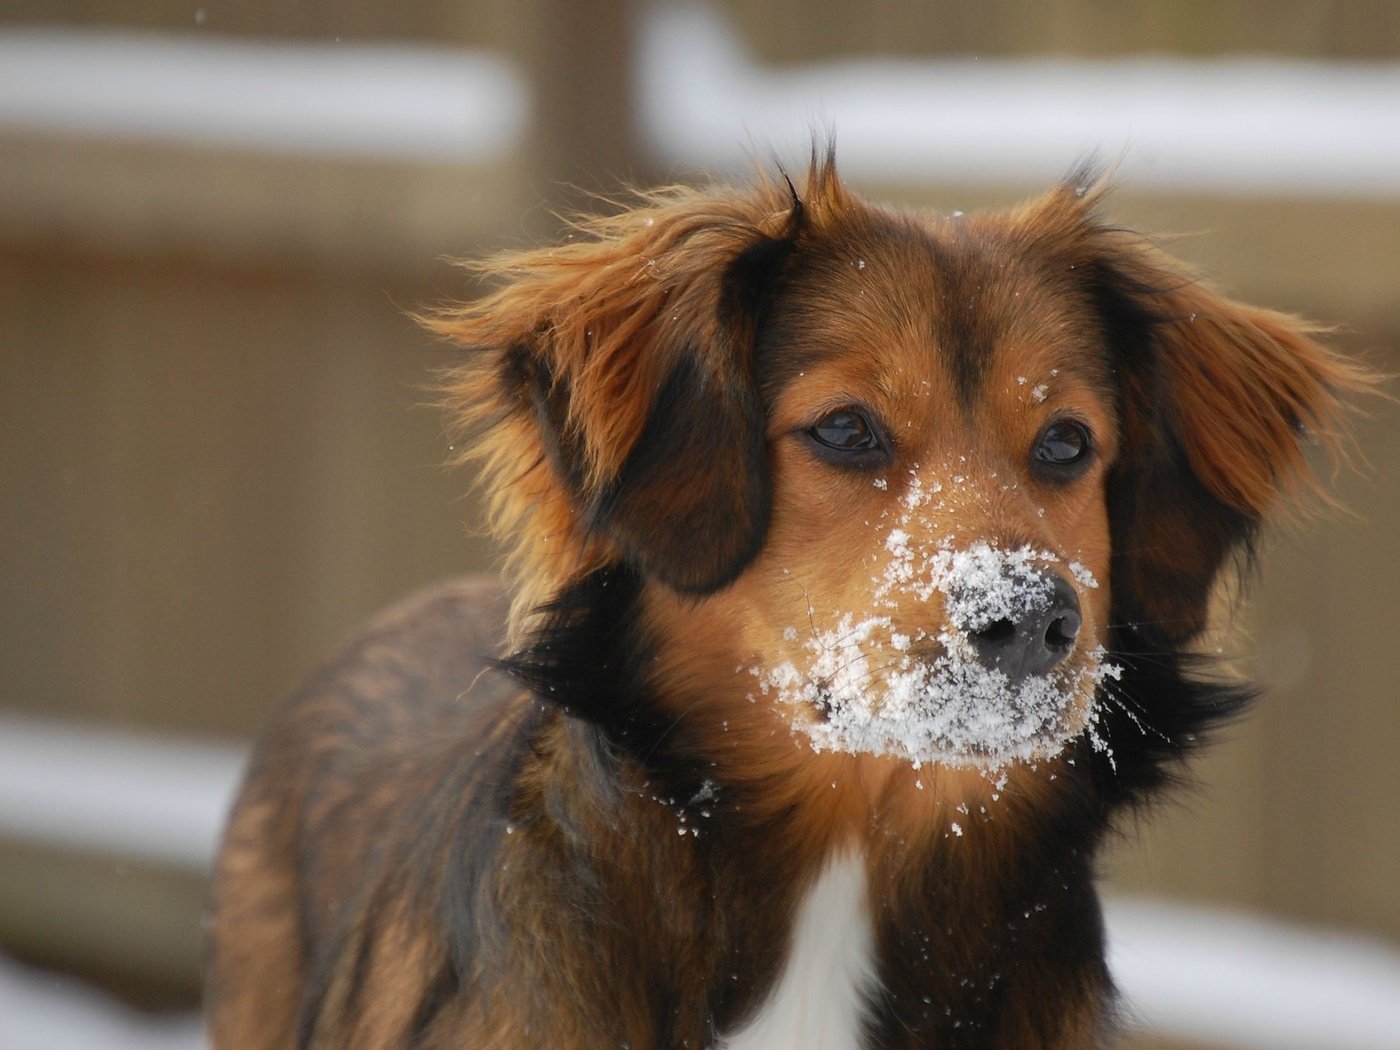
(1207, 975)
(1241, 980)
(388, 101)
(1235, 125)
(41, 1011)
(1217, 976)
(1232, 125)
(91, 788)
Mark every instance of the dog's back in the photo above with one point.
(340, 786)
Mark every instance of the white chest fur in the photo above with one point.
(820, 998)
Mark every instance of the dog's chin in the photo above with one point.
(1042, 744)
(950, 713)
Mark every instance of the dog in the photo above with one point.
(858, 564)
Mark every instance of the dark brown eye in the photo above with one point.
(845, 430)
(1061, 449)
(848, 437)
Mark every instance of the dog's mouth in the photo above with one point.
(859, 697)
(971, 694)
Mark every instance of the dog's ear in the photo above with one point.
(1220, 403)
(621, 363)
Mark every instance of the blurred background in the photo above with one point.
(216, 460)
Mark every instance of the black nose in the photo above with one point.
(1037, 639)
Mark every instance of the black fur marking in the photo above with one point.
(580, 656)
(968, 966)
(527, 376)
(692, 502)
(961, 326)
(587, 659)
(1164, 707)
(750, 280)
(1170, 535)
(436, 998)
(971, 961)
(479, 806)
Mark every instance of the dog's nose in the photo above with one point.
(1036, 640)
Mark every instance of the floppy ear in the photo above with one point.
(1220, 402)
(611, 394)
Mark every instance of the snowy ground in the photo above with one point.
(1232, 125)
(1237, 125)
(401, 101)
(1210, 975)
(41, 1011)
(1242, 980)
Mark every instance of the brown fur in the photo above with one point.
(608, 850)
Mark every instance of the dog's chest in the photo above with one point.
(820, 999)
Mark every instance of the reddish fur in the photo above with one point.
(385, 788)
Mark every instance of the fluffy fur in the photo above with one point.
(604, 837)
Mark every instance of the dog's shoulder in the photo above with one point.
(446, 631)
(419, 682)
(428, 656)
(389, 729)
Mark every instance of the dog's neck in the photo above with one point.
(983, 926)
(828, 982)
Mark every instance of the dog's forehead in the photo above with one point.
(928, 300)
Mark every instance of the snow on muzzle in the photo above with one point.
(1004, 678)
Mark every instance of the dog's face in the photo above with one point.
(935, 581)
(898, 481)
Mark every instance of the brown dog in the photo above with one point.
(856, 560)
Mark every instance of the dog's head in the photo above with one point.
(910, 471)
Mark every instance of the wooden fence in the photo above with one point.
(216, 456)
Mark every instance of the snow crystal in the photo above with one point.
(1082, 575)
(871, 684)
(860, 694)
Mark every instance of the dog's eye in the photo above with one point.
(847, 437)
(845, 430)
(1062, 449)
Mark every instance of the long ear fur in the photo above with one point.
(1220, 404)
(609, 391)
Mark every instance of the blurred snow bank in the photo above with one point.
(1236, 125)
(1241, 980)
(96, 789)
(393, 101)
(41, 1011)
(1230, 125)
(1194, 973)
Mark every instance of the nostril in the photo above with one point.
(1063, 630)
(998, 631)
